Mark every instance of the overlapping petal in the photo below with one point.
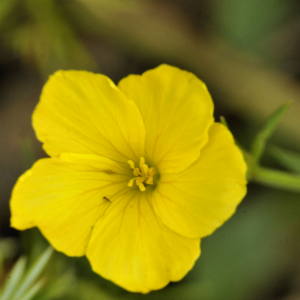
(201, 198)
(64, 197)
(131, 246)
(177, 111)
(82, 112)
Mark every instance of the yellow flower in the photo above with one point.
(137, 173)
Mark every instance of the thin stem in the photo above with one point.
(274, 178)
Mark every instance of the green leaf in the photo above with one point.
(13, 279)
(60, 287)
(277, 179)
(223, 121)
(33, 290)
(33, 274)
(288, 159)
(259, 143)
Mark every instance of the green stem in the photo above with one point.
(278, 179)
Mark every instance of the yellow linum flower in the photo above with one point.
(138, 173)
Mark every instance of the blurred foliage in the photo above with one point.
(252, 21)
(288, 159)
(28, 155)
(259, 142)
(267, 176)
(38, 32)
(23, 285)
(239, 50)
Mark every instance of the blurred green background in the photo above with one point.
(248, 54)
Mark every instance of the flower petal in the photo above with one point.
(64, 197)
(131, 247)
(198, 200)
(82, 112)
(177, 111)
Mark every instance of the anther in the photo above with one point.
(142, 174)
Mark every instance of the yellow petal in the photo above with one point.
(198, 200)
(177, 111)
(82, 112)
(131, 247)
(64, 197)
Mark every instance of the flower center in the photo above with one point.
(143, 174)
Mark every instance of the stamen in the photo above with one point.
(130, 183)
(142, 187)
(131, 163)
(151, 172)
(142, 174)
